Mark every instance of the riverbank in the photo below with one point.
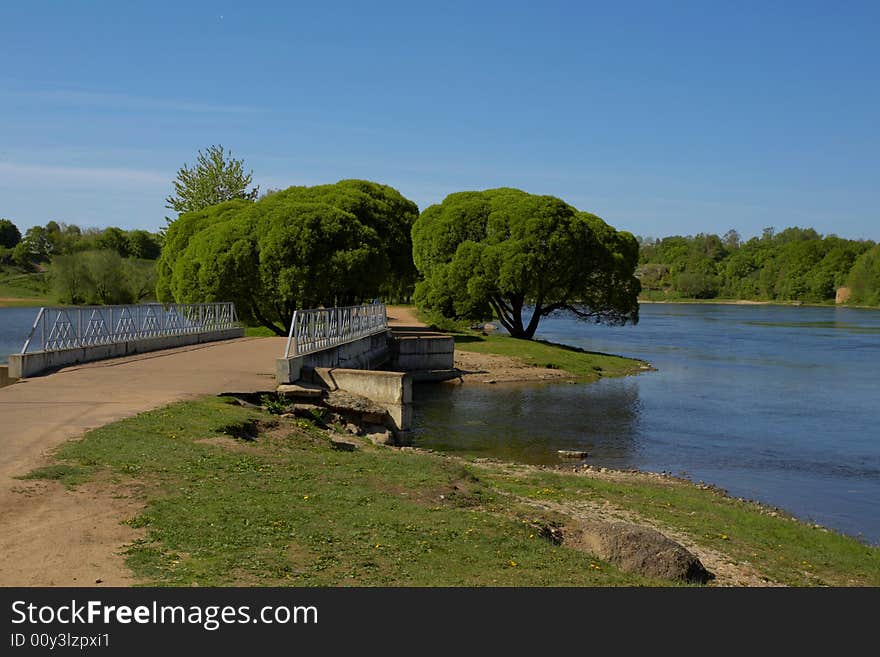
(19, 287)
(749, 302)
(491, 357)
(18, 302)
(212, 493)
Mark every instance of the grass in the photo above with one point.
(259, 332)
(21, 288)
(288, 509)
(587, 365)
(282, 507)
(780, 547)
(69, 475)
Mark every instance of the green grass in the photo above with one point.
(287, 509)
(781, 548)
(69, 475)
(259, 332)
(588, 365)
(30, 287)
(438, 322)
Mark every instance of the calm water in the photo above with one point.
(14, 326)
(778, 404)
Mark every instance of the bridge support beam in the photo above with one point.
(390, 390)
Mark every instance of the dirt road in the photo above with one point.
(55, 537)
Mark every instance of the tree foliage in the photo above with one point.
(101, 277)
(796, 264)
(9, 234)
(509, 252)
(42, 244)
(302, 247)
(864, 278)
(216, 177)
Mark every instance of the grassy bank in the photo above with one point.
(21, 288)
(586, 365)
(286, 508)
(723, 301)
(277, 505)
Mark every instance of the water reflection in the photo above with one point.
(530, 422)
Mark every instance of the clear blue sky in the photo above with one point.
(661, 117)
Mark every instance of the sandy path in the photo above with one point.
(52, 536)
(403, 316)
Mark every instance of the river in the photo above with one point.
(773, 403)
(15, 323)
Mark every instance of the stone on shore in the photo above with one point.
(643, 550)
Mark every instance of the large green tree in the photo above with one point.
(9, 234)
(513, 253)
(301, 247)
(864, 278)
(216, 177)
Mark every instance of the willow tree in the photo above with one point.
(301, 247)
(523, 257)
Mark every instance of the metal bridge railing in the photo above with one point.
(84, 326)
(321, 328)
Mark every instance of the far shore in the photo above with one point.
(728, 302)
(749, 302)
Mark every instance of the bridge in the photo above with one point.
(353, 349)
(350, 349)
(41, 411)
(70, 335)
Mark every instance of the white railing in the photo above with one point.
(85, 326)
(321, 328)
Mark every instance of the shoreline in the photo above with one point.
(490, 373)
(749, 302)
(490, 512)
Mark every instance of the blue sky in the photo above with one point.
(661, 117)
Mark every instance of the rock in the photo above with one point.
(379, 435)
(572, 453)
(347, 402)
(299, 390)
(634, 548)
(352, 428)
(342, 445)
(308, 410)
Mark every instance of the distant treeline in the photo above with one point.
(92, 265)
(796, 264)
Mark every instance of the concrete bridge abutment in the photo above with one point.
(354, 367)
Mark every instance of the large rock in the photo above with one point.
(634, 548)
(300, 391)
